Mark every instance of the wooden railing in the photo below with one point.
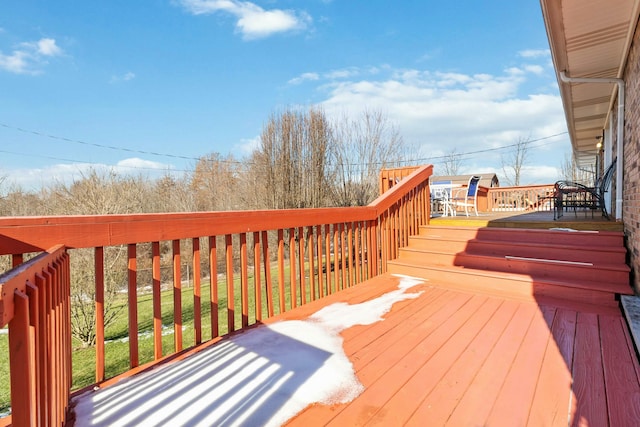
(391, 177)
(284, 258)
(35, 303)
(523, 198)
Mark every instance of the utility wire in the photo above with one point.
(93, 144)
(442, 158)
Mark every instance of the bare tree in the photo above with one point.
(98, 194)
(214, 183)
(514, 162)
(292, 159)
(360, 148)
(452, 162)
(571, 172)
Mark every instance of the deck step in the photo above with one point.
(518, 286)
(583, 253)
(587, 267)
(532, 266)
(582, 238)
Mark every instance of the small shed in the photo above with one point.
(488, 180)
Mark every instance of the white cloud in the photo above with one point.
(248, 146)
(534, 53)
(437, 112)
(30, 57)
(253, 22)
(339, 74)
(48, 47)
(136, 163)
(128, 76)
(66, 173)
(303, 78)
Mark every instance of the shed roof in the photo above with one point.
(486, 180)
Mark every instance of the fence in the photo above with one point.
(523, 198)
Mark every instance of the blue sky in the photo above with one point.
(184, 78)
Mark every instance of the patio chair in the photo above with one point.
(574, 195)
(441, 197)
(470, 199)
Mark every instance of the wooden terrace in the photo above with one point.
(500, 326)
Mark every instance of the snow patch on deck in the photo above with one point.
(264, 376)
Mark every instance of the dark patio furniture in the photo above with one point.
(568, 194)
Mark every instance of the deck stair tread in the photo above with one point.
(519, 263)
(588, 267)
(488, 241)
(455, 271)
(602, 238)
(585, 253)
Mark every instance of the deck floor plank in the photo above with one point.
(386, 383)
(588, 375)
(440, 403)
(552, 397)
(409, 396)
(386, 354)
(619, 361)
(476, 402)
(512, 405)
(363, 337)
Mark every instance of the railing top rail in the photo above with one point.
(520, 187)
(384, 201)
(34, 234)
(17, 278)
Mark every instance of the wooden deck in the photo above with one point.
(458, 358)
(542, 219)
(462, 359)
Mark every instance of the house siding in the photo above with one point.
(631, 188)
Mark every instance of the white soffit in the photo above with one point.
(589, 38)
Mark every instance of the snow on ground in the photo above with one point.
(262, 377)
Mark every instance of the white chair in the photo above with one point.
(441, 198)
(470, 199)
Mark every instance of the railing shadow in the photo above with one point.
(246, 379)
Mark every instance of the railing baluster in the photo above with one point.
(312, 270)
(257, 285)
(267, 273)
(244, 279)
(177, 297)
(231, 326)
(320, 262)
(38, 351)
(281, 269)
(292, 269)
(157, 307)
(197, 290)
(301, 269)
(132, 296)
(21, 351)
(336, 255)
(41, 348)
(327, 259)
(359, 252)
(213, 286)
(99, 279)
